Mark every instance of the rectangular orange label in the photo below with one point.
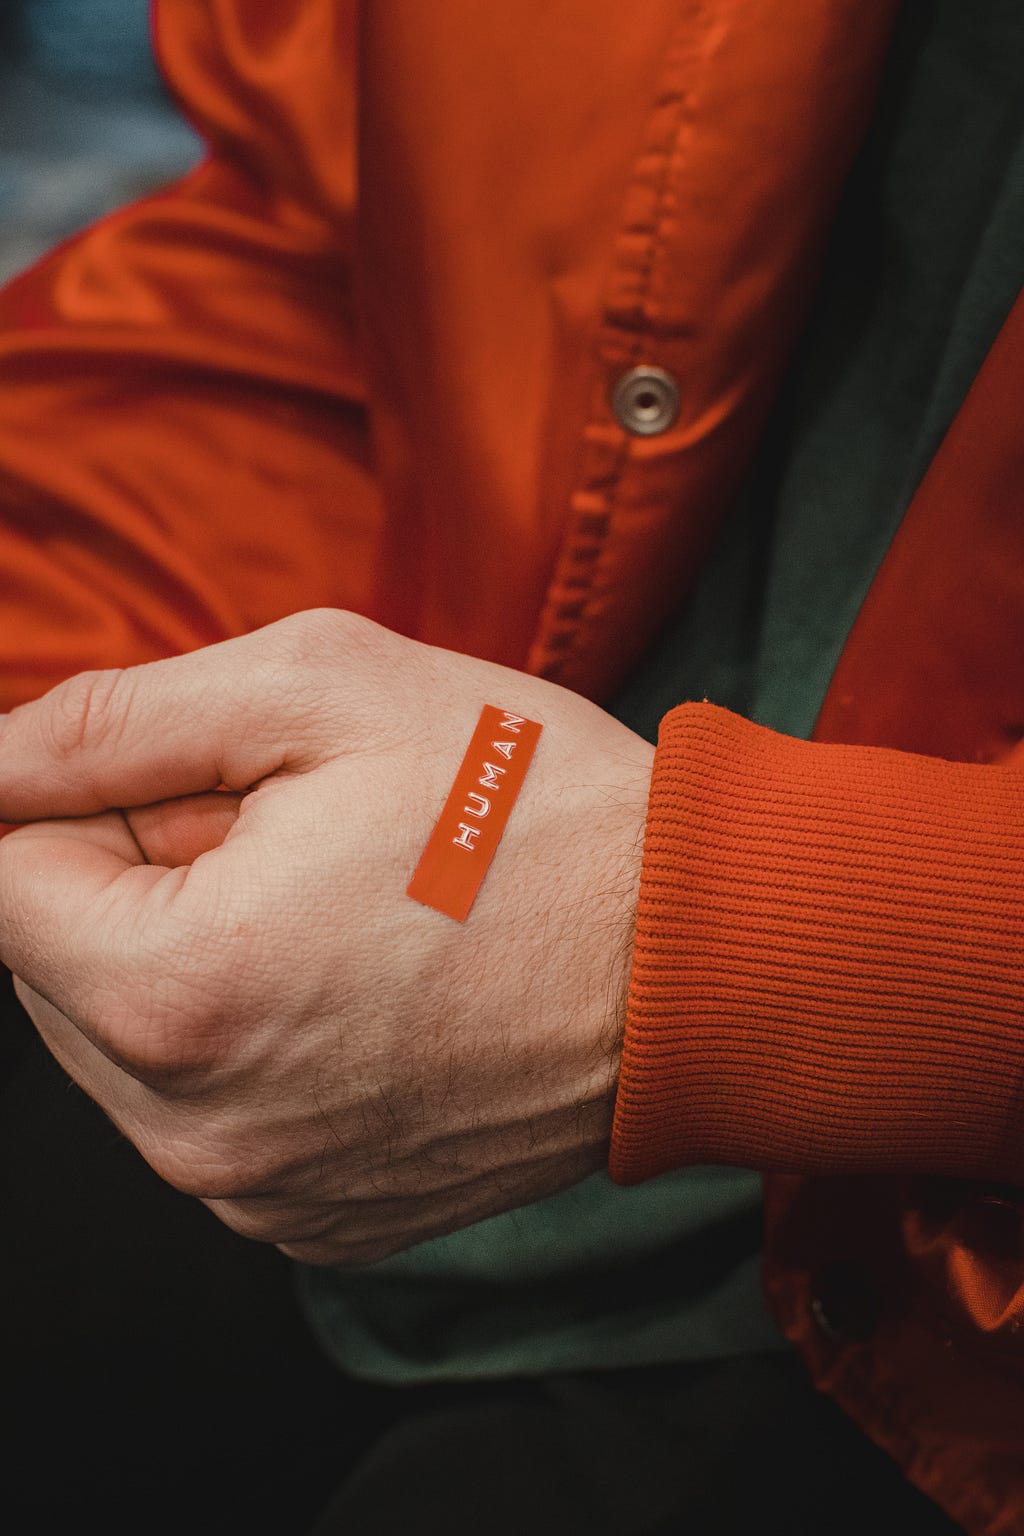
(469, 828)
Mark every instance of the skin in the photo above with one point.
(206, 917)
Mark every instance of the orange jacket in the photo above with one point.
(366, 356)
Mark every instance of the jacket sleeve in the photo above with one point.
(184, 448)
(828, 959)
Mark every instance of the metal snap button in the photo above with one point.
(646, 401)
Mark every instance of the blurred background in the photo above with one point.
(85, 121)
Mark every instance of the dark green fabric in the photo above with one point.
(719, 1448)
(597, 1276)
(927, 257)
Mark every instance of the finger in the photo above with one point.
(227, 716)
(80, 910)
(176, 832)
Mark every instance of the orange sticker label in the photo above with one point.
(469, 828)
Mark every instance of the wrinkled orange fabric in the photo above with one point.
(363, 355)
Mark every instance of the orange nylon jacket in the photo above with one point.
(366, 356)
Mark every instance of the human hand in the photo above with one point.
(230, 965)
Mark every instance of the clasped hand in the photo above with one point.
(204, 907)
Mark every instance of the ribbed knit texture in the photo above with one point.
(827, 970)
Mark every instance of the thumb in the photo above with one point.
(223, 716)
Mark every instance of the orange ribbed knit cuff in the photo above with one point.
(827, 971)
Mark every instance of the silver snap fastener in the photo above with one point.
(646, 401)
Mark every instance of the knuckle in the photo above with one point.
(149, 1056)
(318, 635)
(248, 1219)
(326, 667)
(196, 1167)
(87, 711)
(157, 1042)
(316, 632)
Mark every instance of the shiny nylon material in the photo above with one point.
(424, 359)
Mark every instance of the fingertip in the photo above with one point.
(176, 832)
